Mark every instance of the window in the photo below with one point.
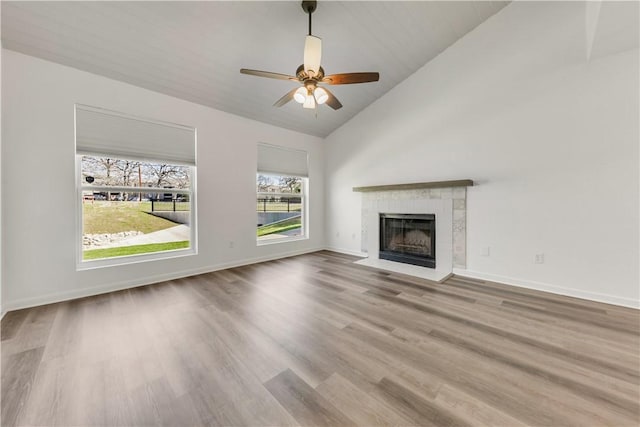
(280, 207)
(281, 188)
(135, 188)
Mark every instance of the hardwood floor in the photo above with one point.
(317, 340)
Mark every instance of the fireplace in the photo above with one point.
(408, 238)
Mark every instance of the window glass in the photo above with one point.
(132, 207)
(280, 207)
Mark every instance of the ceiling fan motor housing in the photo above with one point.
(302, 75)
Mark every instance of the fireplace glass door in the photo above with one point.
(408, 238)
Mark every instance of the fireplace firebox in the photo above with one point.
(408, 238)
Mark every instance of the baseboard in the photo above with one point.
(128, 284)
(347, 251)
(539, 286)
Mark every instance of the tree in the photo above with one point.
(134, 174)
(100, 168)
(291, 183)
(164, 175)
(126, 170)
(180, 178)
(264, 181)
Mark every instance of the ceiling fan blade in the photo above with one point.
(268, 74)
(332, 101)
(286, 98)
(349, 78)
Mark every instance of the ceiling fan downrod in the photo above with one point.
(309, 6)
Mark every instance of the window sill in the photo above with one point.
(134, 259)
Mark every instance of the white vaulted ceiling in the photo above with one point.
(194, 50)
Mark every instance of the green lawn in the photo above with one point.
(279, 226)
(133, 250)
(114, 217)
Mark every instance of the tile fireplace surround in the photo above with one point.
(447, 200)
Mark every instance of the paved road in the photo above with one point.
(288, 233)
(177, 234)
(173, 234)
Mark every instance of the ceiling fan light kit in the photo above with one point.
(321, 95)
(310, 102)
(300, 95)
(310, 74)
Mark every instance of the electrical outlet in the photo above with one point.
(231, 243)
(353, 236)
(485, 251)
(337, 234)
(539, 259)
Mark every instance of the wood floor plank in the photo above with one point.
(306, 405)
(363, 408)
(526, 294)
(253, 349)
(52, 390)
(11, 323)
(602, 397)
(508, 330)
(480, 378)
(543, 362)
(603, 321)
(18, 371)
(421, 410)
(34, 331)
(318, 340)
(566, 334)
(472, 410)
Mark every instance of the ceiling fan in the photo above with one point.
(311, 74)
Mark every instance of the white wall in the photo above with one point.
(2, 311)
(39, 206)
(550, 138)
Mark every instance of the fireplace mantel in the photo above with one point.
(416, 186)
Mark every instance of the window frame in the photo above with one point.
(82, 264)
(304, 201)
